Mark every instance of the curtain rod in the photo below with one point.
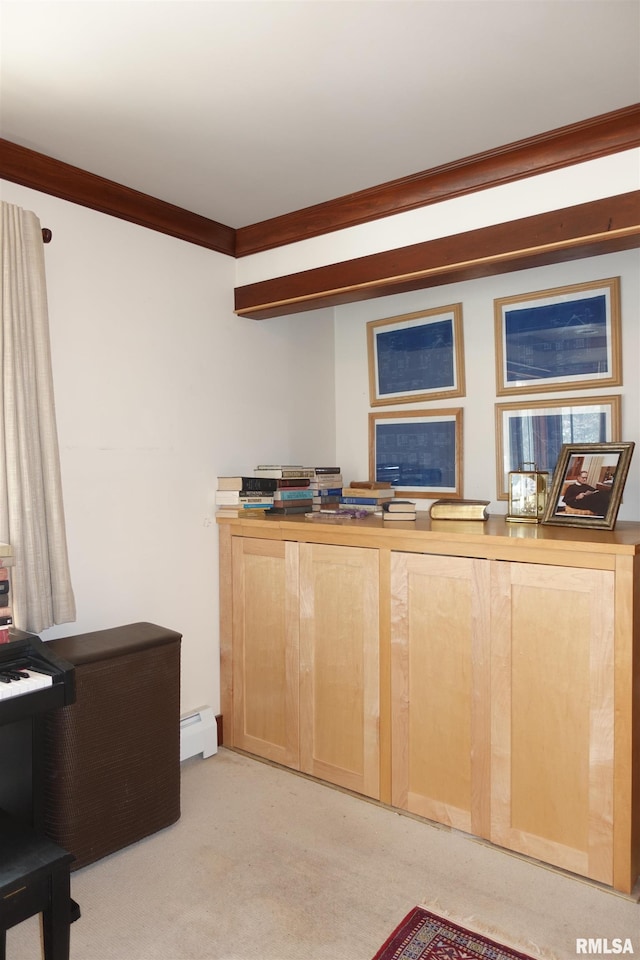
(46, 235)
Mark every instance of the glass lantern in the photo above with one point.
(527, 493)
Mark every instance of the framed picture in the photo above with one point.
(562, 339)
(587, 484)
(418, 452)
(534, 432)
(416, 357)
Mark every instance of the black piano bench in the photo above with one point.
(112, 758)
(34, 878)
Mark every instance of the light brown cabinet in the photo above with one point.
(440, 689)
(266, 649)
(305, 658)
(552, 725)
(502, 704)
(339, 667)
(484, 676)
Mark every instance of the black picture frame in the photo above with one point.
(587, 485)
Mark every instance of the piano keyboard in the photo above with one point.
(15, 681)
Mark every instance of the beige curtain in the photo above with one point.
(31, 507)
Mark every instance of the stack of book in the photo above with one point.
(293, 493)
(326, 487)
(399, 510)
(368, 495)
(459, 510)
(6, 616)
(244, 496)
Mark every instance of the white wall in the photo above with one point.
(160, 389)
(476, 296)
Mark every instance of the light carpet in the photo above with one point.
(268, 865)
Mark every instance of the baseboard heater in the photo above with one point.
(198, 734)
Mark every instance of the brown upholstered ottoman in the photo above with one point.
(112, 758)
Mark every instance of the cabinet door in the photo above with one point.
(266, 648)
(339, 660)
(552, 723)
(440, 689)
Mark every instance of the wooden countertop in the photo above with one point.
(494, 538)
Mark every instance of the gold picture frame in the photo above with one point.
(416, 357)
(587, 485)
(565, 338)
(534, 431)
(418, 451)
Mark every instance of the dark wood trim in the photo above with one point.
(585, 230)
(587, 140)
(220, 729)
(39, 172)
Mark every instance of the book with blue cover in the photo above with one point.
(284, 494)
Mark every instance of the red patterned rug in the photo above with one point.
(423, 936)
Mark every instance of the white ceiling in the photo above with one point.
(241, 110)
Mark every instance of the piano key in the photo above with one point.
(56, 686)
(33, 681)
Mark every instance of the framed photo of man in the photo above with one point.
(587, 484)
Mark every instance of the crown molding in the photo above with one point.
(39, 172)
(597, 137)
(584, 230)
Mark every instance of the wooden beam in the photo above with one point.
(597, 137)
(585, 230)
(39, 172)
